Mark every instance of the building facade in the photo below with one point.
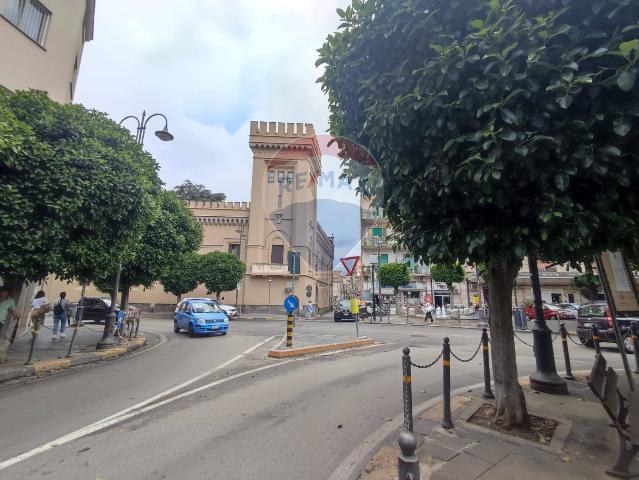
(42, 43)
(276, 230)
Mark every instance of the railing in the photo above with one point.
(371, 216)
(375, 241)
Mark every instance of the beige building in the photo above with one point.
(277, 229)
(42, 44)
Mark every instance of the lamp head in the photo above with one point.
(164, 134)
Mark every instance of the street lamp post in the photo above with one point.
(108, 340)
(241, 232)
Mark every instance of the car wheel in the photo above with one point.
(628, 343)
(586, 342)
(191, 332)
(176, 329)
(224, 333)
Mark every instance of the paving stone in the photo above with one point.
(424, 426)
(451, 440)
(520, 468)
(435, 450)
(463, 467)
(491, 450)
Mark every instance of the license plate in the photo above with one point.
(587, 325)
(214, 328)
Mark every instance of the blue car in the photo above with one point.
(198, 316)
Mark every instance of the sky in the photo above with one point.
(212, 66)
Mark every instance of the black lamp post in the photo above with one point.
(545, 378)
(108, 340)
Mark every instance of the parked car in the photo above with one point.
(96, 309)
(204, 299)
(343, 311)
(597, 314)
(230, 311)
(551, 312)
(198, 316)
(569, 306)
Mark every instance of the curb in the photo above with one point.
(49, 366)
(296, 352)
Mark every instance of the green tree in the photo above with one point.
(196, 191)
(221, 272)
(500, 129)
(67, 207)
(171, 233)
(182, 275)
(394, 275)
(448, 274)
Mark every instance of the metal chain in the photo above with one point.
(428, 365)
(522, 341)
(24, 334)
(469, 359)
(576, 343)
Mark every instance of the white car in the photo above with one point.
(230, 310)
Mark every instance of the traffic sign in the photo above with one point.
(291, 303)
(349, 264)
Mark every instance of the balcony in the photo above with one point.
(371, 216)
(373, 242)
(269, 269)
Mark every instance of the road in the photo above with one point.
(217, 407)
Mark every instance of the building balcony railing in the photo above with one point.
(270, 269)
(374, 242)
(371, 216)
(543, 274)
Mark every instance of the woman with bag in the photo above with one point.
(60, 315)
(39, 307)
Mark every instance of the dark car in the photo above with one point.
(96, 309)
(597, 314)
(343, 311)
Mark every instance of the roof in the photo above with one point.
(89, 17)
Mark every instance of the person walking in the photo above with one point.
(60, 315)
(309, 310)
(8, 317)
(429, 312)
(39, 307)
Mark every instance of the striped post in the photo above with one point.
(595, 339)
(447, 421)
(564, 344)
(488, 392)
(289, 330)
(36, 330)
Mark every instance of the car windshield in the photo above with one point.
(107, 301)
(204, 307)
(345, 304)
(596, 310)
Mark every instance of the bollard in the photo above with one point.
(36, 330)
(78, 320)
(634, 329)
(137, 325)
(407, 461)
(595, 338)
(289, 330)
(564, 344)
(488, 391)
(407, 390)
(447, 421)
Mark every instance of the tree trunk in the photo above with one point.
(14, 286)
(397, 308)
(217, 296)
(179, 298)
(5, 337)
(593, 289)
(124, 298)
(511, 404)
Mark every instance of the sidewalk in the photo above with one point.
(582, 447)
(50, 354)
(306, 343)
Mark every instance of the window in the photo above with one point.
(234, 248)
(277, 254)
(289, 177)
(271, 176)
(378, 232)
(383, 259)
(280, 177)
(30, 16)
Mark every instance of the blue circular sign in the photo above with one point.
(291, 303)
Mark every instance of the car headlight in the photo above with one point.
(200, 321)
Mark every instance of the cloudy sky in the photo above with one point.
(211, 66)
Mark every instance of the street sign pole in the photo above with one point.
(269, 295)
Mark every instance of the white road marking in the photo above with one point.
(146, 406)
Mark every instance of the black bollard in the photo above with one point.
(78, 321)
(595, 338)
(407, 461)
(407, 390)
(634, 329)
(564, 344)
(488, 391)
(447, 421)
(36, 329)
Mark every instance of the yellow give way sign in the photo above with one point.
(354, 306)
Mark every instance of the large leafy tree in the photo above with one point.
(501, 128)
(221, 272)
(171, 233)
(182, 275)
(76, 188)
(394, 275)
(196, 191)
(448, 274)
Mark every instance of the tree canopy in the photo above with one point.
(448, 274)
(171, 233)
(221, 272)
(76, 188)
(182, 275)
(394, 275)
(196, 191)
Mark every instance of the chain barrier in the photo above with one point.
(523, 341)
(573, 341)
(469, 359)
(24, 334)
(428, 365)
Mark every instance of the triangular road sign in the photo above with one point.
(349, 264)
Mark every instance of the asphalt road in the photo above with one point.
(217, 408)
